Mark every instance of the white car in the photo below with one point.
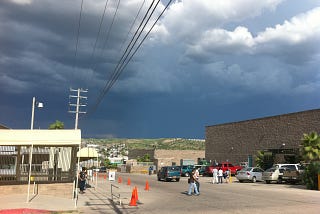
(250, 174)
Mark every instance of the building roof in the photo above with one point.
(39, 137)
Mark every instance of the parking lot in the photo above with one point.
(170, 197)
(235, 197)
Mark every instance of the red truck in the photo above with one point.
(224, 166)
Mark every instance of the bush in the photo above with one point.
(310, 177)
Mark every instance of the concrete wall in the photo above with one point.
(167, 157)
(63, 190)
(235, 141)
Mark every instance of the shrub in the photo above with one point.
(310, 177)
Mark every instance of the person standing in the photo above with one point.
(197, 175)
(215, 176)
(220, 175)
(228, 176)
(82, 180)
(192, 183)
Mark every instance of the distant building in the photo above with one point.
(161, 157)
(239, 141)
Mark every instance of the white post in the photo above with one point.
(77, 110)
(97, 172)
(31, 149)
(77, 181)
(32, 112)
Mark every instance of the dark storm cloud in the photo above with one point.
(204, 62)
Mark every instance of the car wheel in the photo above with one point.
(254, 180)
(279, 180)
(187, 174)
(241, 181)
(268, 182)
(178, 179)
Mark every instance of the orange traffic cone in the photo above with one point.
(147, 186)
(136, 193)
(133, 201)
(119, 180)
(129, 182)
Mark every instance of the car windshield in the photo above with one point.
(271, 170)
(246, 169)
(174, 168)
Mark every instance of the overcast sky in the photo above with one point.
(205, 62)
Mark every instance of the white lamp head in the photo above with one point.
(40, 105)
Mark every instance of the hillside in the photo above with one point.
(160, 143)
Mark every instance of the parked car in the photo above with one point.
(272, 175)
(186, 170)
(250, 174)
(293, 174)
(168, 173)
(275, 173)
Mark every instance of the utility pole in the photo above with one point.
(78, 103)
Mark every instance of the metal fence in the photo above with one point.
(48, 164)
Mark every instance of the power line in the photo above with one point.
(110, 27)
(108, 32)
(116, 70)
(97, 37)
(78, 33)
(120, 69)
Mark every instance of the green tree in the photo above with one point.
(145, 158)
(310, 152)
(57, 125)
(264, 159)
(310, 147)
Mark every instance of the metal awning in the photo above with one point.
(87, 153)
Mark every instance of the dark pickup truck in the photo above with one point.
(168, 173)
(292, 174)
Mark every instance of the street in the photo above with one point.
(235, 197)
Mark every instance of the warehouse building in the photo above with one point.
(239, 142)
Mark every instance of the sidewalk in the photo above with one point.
(95, 200)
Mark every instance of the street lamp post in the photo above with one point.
(39, 105)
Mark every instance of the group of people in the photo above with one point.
(218, 174)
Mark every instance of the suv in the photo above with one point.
(276, 172)
(168, 173)
(186, 170)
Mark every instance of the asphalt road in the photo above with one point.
(235, 197)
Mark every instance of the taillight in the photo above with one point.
(248, 173)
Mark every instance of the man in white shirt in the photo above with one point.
(215, 176)
(220, 175)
